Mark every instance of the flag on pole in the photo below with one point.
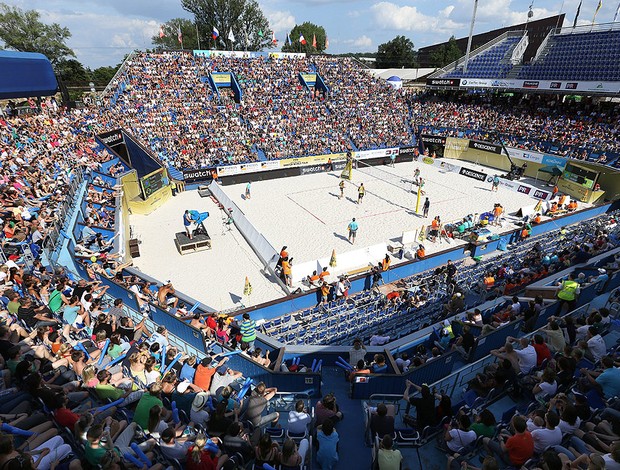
(247, 289)
(302, 39)
(577, 14)
(273, 38)
(326, 42)
(215, 34)
(231, 36)
(598, 7)
(179, 34)
(314, 41)
(288, 40)
(617, 11)
(161, 31)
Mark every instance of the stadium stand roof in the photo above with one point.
(405, 75)
(537, 31)
(26, 74)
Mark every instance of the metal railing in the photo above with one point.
(108, 89)
(596, 28)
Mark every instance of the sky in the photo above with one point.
(104, 31)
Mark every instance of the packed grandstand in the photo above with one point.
(502, 356)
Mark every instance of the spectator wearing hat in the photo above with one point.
(223, 378)
(199, 414)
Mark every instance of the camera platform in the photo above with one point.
(200, 241)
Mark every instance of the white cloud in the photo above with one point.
(280, 21)
(103, 39)
(360, 42)
(388, 15)
(354, 13)
(446, 11)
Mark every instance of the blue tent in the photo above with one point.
(26, 74)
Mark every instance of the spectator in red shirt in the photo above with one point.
(513, 450)
(542, 350)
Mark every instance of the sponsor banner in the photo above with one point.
(247, 168)
(506, 183)
(526, 155)
(447, 166)
(433, 139)
(221, 78)
(196, 176)
(540, 194)
(318, 160)
(489, 83)
(456, 144)
(311, 169)
(309, 77)
(444, 82)
(553, 160)
(473, 174)
(236, 54)
(287, 55)
(377, 153)
(112, 138)
(551, 85)
(407, 150)
(485, 146)
(524, 189)
(312, 160)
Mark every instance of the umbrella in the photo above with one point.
(552, 170)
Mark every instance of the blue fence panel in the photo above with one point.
(495, 339)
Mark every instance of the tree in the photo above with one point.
(73, 72)
(446, 54)
(103, 75)
(170, 40)
(23, 31)
(308, 30)
(243, 17)
(397, 53)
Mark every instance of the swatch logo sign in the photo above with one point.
(524, 189)
(541, 194)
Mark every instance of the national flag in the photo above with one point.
(577, 14)
(288, 40)
(598, 7)
(260, 33)
(231, 36)
(326, 42)
(273, 37)
(179, 34)
(314, 41)
(215, 34)
(302, 39)
(161, 31)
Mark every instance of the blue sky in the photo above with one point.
(103, 31)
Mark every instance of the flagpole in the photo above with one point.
(197, 35)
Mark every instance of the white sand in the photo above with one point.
(215, 277)
(305, 214)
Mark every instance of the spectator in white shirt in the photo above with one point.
(596, 344)
(460, 437)
(298, 419)
(550, 435)
(526, 355)
(378, 339)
